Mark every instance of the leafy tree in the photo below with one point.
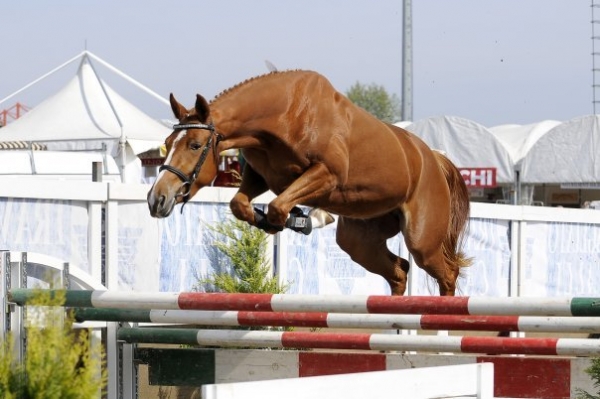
(376, 100)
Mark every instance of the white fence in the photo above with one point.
(106, 229)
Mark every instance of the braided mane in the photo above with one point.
(247, 81)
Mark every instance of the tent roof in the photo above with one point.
(568, 153)
(467, 143)
(87, 109)
(546, 152)
(518, 139)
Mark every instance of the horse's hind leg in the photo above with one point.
(424, 236)
(435, 264)
(365, 242)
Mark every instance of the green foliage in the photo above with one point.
(59, 362)
(594, 372)
(245, 247)
(9, 378)
(376, 100)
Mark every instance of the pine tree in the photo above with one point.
(245, 247)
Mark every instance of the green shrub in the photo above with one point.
(245, 247)
(59, 362)
(9, 376)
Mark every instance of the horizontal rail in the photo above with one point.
(345, 320)
(362, 341)
(525, 306)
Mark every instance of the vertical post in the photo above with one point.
(128, 372)
(110, 278)
(113, 365)
(280, 258)
(407, 78)
(18, 279)
(517, 263)
(522, 248)
(485, 381)
(95, 229)
(95, 240)
(595, 54)
(272, 255)
(111, 273)
(97, 172)
(4, 287)
(515, 257)
(66, 283)
(122, 158)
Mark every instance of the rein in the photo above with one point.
(189, 179)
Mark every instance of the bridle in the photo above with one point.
(189, 179)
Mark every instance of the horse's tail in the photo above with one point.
(459, 213)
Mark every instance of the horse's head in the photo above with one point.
(192, 158)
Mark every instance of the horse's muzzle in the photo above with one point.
(160, 206)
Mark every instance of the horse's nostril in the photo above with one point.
(156, 203)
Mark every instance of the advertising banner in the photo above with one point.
(561, 259)
(57, 228)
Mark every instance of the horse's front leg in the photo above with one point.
(252, 186)
(316, 182)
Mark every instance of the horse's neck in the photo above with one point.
(246, 121)
(237, 128)
(251, 115)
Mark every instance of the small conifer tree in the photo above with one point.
(246, 250)
(245, 246)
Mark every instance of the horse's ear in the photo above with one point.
(178, 110)
(202, 108)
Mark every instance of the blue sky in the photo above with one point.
(494, 62)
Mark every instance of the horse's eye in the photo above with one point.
(195, 146)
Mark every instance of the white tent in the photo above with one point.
(86, 114)
(467, 143)
(518, 139)
(569, 153)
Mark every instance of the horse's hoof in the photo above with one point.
(320, 218)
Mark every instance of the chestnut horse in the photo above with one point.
(311, 146)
